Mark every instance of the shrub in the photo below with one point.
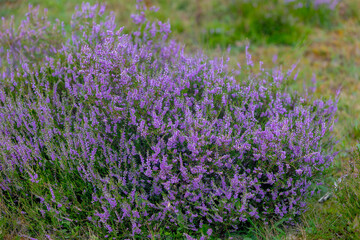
(130, 136)
(33, 39)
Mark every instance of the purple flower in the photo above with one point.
(33, 178)
(150, 133)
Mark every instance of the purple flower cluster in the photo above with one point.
(33, 39)
(159, 137)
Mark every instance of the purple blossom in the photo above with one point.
(154, 134)
(33, 178)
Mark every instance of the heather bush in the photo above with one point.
(129, 135)
(29, 42)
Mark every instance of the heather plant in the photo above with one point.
(29, 42)
(36, 38)
(130, 136)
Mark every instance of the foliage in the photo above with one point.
(348, 198)
(338, 218)
(130, 136)
(270, 22)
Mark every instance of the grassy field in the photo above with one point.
(327, 47)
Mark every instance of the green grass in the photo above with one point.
(338, 218)
(325, 45)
